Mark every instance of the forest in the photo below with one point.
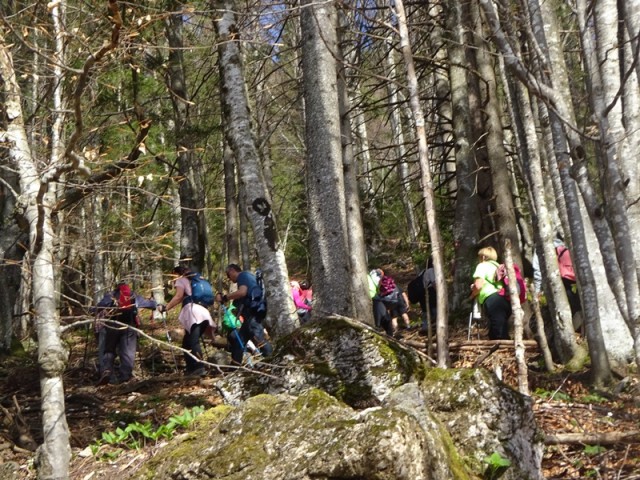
(317, 141)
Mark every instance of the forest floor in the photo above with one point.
(563, 403)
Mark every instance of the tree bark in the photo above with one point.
(331, 269)
(193, 238)
(36, 198)
(442, 328)
(237, 120)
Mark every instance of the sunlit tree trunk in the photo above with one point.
(237, 120)
(467, 219)
(36, 198)
(231, 231)
(330, 267)
(399, 144)
(494, 141)
(442, 328)
(190, 172)
(355, 230)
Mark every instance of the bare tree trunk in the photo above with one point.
(331, 270)
(282, 318)
(53, 455)
(518, 314)
(193, 241)
(442, 328)
(399, 142)
(494, 141)
(467, 220)
(231, 210)
(355, 230)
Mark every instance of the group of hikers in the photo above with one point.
(245, 308)
(246, 305)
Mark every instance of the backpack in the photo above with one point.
(502, 278)
(415, 289)
(229, 320)
(565, 264)
(257, 298)
(201, 291)
(386, 286)
(125, 301)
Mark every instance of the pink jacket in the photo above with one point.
(298, 297)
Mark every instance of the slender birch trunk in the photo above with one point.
(36, 200)
(442, 328)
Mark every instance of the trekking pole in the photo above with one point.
(173, 355)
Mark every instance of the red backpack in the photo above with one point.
(565, 264)
(126, 304)
(502, 277)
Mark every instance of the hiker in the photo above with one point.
(249, 310)
(423, 283)
(303, 306)
(380, 313)
(484, 289)
(194, 317)
(306, 292)
(395, 300)
(567, 275)
(119, 305)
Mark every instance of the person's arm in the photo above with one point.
(176, 300)
(476, 286)
(241, 292)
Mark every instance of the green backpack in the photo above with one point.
(229, 320)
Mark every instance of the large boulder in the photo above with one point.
(311, 436)
(346, 359)
(339, 401)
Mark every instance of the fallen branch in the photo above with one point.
(484, 356)
(603, 438)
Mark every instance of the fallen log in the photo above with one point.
(602, 438)
(475, 344)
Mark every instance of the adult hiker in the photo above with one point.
(120, 305)
(250, 309)
(485, 289)
(194, 293)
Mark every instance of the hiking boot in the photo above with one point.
(104, 379)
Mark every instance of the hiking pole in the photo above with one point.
(173, 355)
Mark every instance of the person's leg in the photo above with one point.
(379, 312)
(191, 342)
(127, 346)
(236, 346)
(498, 311)
(255, 330)
(111, 338)
(101, 336)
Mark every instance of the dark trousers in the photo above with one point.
(572, 297)
(252, 330)
(191, 342)
(380, 314)
(125, 341)
(498, 310)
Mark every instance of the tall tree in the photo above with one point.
(258, 204)
(193, 239)
(442, 328)
(330, 267)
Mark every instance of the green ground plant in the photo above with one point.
(136, 435)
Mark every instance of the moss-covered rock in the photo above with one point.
(312, 436)
(483, 416)
(346, 359)
(339, 401)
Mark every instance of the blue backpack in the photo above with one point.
(257, 298)
(201, 291)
